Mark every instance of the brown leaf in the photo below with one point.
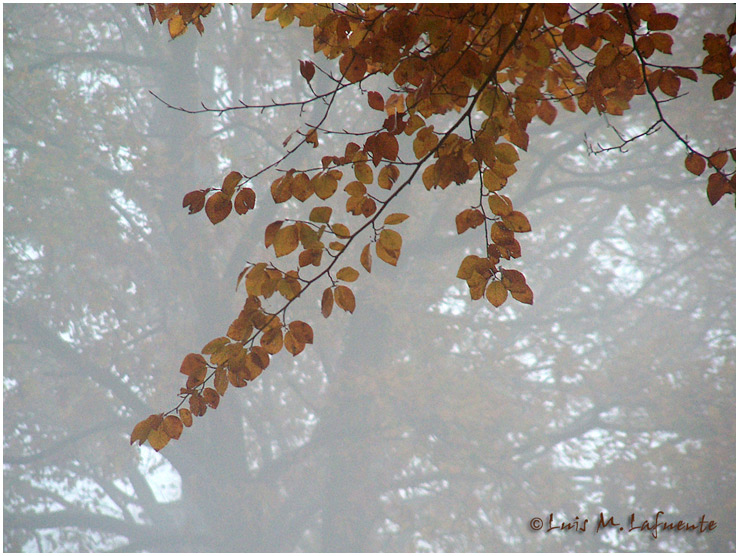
(307, 70)
(230, 182)
(496, 293)
(186, 416)
(327, 302)
(172, 426)
(302, 331)
(376, 101)
(218, 207)
(695, 164)
(366, 258)
(344, 298)
(245, 200)
(195, 201)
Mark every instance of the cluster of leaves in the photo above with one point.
(179, 16)
(494, 68)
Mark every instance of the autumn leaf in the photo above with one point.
(172, 426)
(194, 201)
(496, 293)
(307, 70)
(245, 200)
(395, 218)
(286, 240)
(695, 163)
(230, 182)
(347, 274)
(218, 207)
(376, 101)
(344, 298)
(327, 302)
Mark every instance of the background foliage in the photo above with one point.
(422, 421)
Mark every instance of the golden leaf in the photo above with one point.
(218, 207)
(344, 298)
(286, 240)
(172, 426)
(327, 302)
(347, 274)
(366, 258)
(496, 293)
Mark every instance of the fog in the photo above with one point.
(424, 421)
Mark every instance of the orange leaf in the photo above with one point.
(366, 258)
(230, 182)
(723, 88)
(218, 207)
(172, 426)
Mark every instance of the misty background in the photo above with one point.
(422, 422)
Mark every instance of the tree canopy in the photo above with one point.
(465, 82)
(424, 420)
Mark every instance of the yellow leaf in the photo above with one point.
(341, 230)
(158, 439)
(286, 240)
(363, 172)
(325, 185)
(220, 382)
(496, 293)
(272, 340)
(500, 205)
(388, 175)
(320, 214)
(172, 426)
(215, 345)
(366, 258)
(390, 239)
(347, 274)
(176, 26)
(186, 417)
(506, 153)
(395, 218)
(229, 183)
(517, 222)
